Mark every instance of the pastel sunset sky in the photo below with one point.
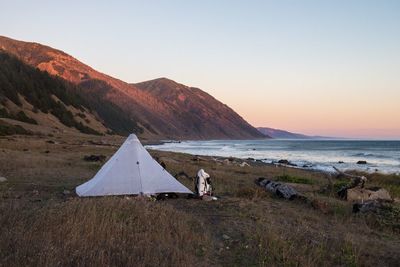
(316, 67)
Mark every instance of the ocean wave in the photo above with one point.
(372, 155)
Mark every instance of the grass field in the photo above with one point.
(42, 224)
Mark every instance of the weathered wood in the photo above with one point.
(356, 181)
(278, 188)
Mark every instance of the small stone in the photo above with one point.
(362, 162)
(66, 192)
(3, 179)
(226, 237)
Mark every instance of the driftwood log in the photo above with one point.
(356, 181)
(278, 188)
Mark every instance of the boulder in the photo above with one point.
(283, 161)
(364, 194)
(3, 179)
(363, 162)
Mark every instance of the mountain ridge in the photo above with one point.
(153, 112)
(283, 134)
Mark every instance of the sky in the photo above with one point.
(317, 67)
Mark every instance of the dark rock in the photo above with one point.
(25, 149)
(283, 161)
(47, 152)
(361, 162)
(252, 159)
(94, 158)
(50, 142)
(367, 206)
(340, 162)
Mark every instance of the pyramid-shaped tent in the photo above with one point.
(131, 171)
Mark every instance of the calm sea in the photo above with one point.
(381, 156)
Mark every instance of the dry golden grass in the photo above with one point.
(42, 227)
(100, 232)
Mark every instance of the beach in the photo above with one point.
(380, 156)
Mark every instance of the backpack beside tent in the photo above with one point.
(131, 171)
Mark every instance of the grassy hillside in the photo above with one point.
(43, 225)
(157, 109)
(52, 95)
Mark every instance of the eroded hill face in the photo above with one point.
(162, 108)
(198, 112)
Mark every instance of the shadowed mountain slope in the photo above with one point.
(199, 116)
(33, 96)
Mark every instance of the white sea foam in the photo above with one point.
(381, 156)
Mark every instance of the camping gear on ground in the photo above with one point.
(203, 185)
(131, 171)
(278, 188)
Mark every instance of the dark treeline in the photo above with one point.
(37, 87)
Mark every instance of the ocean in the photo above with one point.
(381, 156)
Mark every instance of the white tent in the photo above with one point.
(131, 171)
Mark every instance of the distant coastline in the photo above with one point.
(382, 156)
